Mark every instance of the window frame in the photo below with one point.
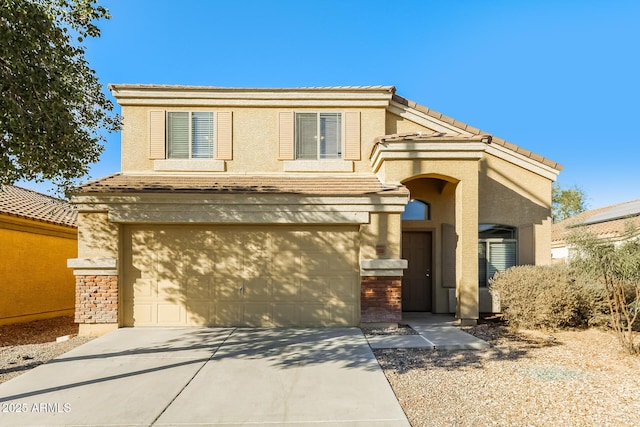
(483, 282)
(190, 135)
(339, 156)
(426, 213)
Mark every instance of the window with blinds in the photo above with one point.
(190, 135)
(318, 136)
(497, 250)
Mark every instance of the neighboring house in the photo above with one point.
(609, 223)
(37, 235)
(311, 206)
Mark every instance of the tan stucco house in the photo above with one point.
(307, 207)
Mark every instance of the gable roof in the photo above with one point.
(373, 95)
(349, 185)
(477, 132)
(23, 203)
(607, 222)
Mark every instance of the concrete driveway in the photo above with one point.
(208, 376)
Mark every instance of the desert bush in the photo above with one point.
(542, 297)
(617, 267)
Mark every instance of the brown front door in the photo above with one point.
(416, 282)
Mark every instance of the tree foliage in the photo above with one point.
(52, 108)
(617, 266)
(567, 202)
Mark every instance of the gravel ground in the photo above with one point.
(527, 378)
(24, 346)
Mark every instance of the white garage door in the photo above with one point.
(241, 276)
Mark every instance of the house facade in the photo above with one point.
(614, 224)
(301, 207)
(37, 235)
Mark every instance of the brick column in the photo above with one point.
(96, 294)
(380, 299)
(381, 290)
(96, 299)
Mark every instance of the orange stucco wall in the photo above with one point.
(35, 282)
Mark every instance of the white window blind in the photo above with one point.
(318, 136)
(202, 135)
(190, 135)
(330, 141)
(502, 255)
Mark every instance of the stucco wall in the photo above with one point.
(255, 136)
(35, 282)
(511, 195)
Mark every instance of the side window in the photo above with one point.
(190, 135)
(497, 250)
(318, 136)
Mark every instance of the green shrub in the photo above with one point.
(549, 297)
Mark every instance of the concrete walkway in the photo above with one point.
(208, 376)
(435, 332)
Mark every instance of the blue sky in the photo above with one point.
(558, 77)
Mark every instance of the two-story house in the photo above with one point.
(325, 206)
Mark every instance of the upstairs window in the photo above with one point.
(190, 135)
(496, 250)
(318, 136)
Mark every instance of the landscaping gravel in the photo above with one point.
(24, 346)
(527, 378)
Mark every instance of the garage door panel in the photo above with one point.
(145, 288)
(144, 313)
(235, 276)
(199, 313)
(198, 288)
(313, 289)
(171, 314)
(258, 288)
(228, 314)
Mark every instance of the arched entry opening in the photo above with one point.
(429, 244)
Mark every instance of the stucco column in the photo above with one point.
(467, 248)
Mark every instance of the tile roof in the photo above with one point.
(129, 86)
(610, 224)
(476, 131)
(30, 204)
(356, 185)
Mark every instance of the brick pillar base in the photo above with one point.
(380, 299)
(96, 299)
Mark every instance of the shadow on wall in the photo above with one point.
(501, 204)
(241, 275)
(229, 275)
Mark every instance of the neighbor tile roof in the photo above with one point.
(476, 131)
(244, 184)
(30, 204)
(605, 229)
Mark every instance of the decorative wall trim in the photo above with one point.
(318, 166)
(93, 266)
(383, 267)
(188, 165)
